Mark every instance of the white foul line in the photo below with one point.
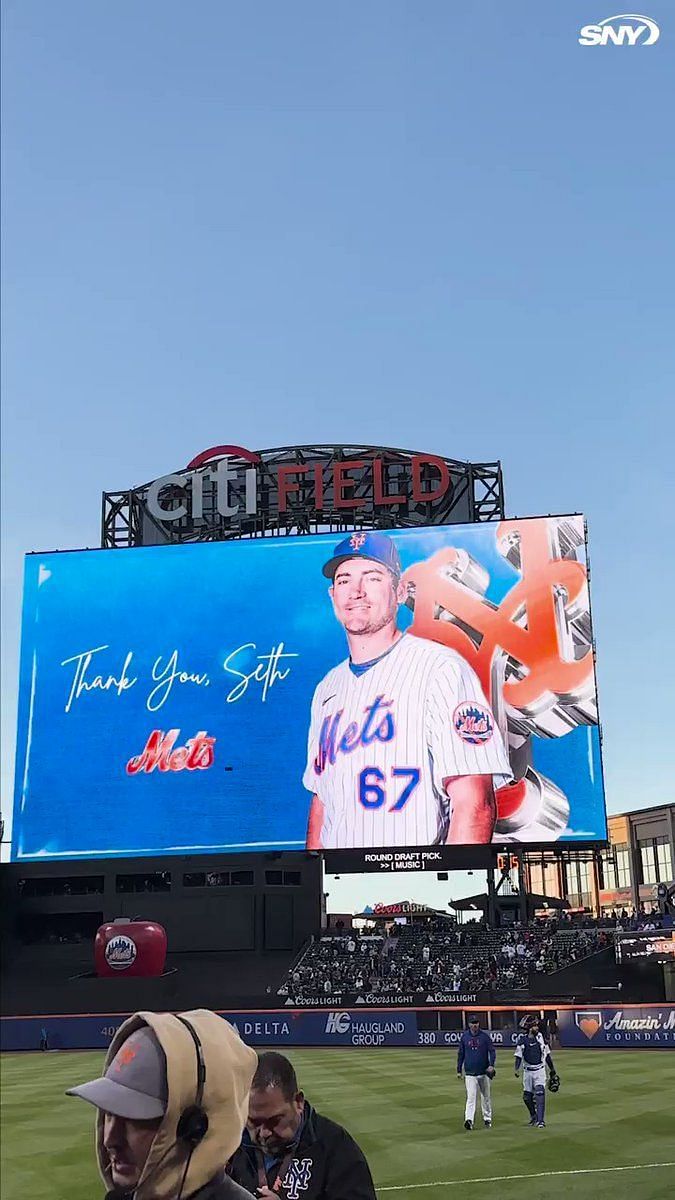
(408, 1187)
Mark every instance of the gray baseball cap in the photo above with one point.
(134, 1086)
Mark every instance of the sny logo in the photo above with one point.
(297, 1178)
(630, 32)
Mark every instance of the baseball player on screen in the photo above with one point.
(403, 748)
(533, 1055)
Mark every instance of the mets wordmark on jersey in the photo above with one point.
(381, 743)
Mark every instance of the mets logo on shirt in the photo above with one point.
(473, 722)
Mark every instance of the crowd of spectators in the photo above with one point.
(439, 956)
(638, 920)
(336, 963)
(635, 919)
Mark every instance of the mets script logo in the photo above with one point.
(473, 722)
(121, 952)
(297, 1178)
(625, 29)
(588, 1022)
(378, 726)
(357, 540)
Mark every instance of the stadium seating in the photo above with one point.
(437, 954)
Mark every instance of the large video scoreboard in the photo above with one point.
(176, 699)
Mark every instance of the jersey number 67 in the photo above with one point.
(372, 787)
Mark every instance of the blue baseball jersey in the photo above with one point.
(476, 1053)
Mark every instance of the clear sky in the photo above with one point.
(446, 227)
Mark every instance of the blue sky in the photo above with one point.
(440, 226)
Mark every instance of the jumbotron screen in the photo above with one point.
(657, 946)
(381, 694)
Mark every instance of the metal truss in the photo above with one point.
(476, 494)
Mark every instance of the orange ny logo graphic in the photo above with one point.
(125, 1056)
(533, 651)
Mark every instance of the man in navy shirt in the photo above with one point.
(476, 1056)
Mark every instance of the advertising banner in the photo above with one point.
(337, 1027)
(392, 1000)
(333, 1028)
(614, 1028)
(656, 947)
(362, 693)
(278, 1029)
(648, 1027)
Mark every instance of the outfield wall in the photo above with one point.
(631, 1027)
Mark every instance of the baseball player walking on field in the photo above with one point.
(533, 1055)
(403, 748)
(476, 1056)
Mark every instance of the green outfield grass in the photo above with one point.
(405, 1107)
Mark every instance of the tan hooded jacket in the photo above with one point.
(230, 1066)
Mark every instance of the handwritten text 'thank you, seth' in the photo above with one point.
(168, 673)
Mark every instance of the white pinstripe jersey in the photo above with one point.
(381, 744)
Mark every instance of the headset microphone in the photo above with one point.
(193, 1122)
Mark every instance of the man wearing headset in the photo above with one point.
(172, 1102)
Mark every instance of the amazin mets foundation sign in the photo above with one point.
(237, 480)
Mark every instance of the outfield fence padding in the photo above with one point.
(631, 1027)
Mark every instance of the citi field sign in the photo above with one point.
(233, 473)
(230, 491)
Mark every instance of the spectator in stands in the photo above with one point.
(288, 1145)
(151, 1134)
(497, 961)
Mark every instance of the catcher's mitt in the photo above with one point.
(553, 1082)
(490, 1072)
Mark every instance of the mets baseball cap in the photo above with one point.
(375, 546)
(135, 1084)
